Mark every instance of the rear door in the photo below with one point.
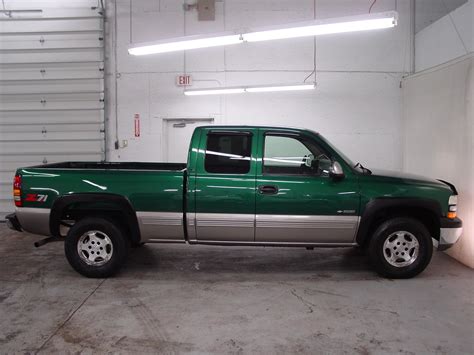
(224, 185)
(296, 200)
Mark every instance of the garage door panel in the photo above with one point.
(6, 203)
(49, 12)
(50, 117)
(51, 71)
(66, 105)
(6, 188)
(71, 55)
(49, 136)
(46, 129)
(45, 148)
(8, 168)
(51, 89)
(64, 92)
(51, 41)
(37, 37)
(51, 25)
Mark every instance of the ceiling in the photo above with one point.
(428, 11)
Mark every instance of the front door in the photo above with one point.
(225, 186)
(296, 200)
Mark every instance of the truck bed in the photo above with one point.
(149, 187)
(114, 166)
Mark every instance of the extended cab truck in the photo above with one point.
(254, 186)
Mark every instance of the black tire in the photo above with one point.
(119, 247)
(380, 257)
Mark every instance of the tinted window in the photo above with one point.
(294, 156)
(228, 153)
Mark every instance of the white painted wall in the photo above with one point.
(438, 115)
(450, 37)
(356, 104)
(438, 137)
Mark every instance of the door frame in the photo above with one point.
(213, 217)
(177, 120)
(310, 227)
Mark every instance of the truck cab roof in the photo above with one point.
(285, 128)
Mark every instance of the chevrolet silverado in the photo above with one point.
(247, 186)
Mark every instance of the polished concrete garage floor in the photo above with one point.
(182, 299)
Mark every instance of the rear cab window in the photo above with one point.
(228, 152)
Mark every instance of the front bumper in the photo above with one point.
(450, 231)
(13, 222)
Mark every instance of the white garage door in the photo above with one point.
(51, 86)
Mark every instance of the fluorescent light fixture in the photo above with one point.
(185, 43)
(300, 29)
(324, 27)
(216, 91)
(251, 89)
(280, 88)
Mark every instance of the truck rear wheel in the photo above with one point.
(96, 247)
(400, 248)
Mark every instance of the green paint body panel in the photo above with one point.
(303, 194)
(388, 184)
(162, 190)
(146, 190)
(223, 193)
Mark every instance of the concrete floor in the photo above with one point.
(196, 299)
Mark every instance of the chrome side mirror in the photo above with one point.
(335, 171)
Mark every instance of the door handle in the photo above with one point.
(268, 189)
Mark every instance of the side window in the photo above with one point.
(293, 156)
(228, 153)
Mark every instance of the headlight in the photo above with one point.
(452, 209)
(453, 200)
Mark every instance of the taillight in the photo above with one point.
(17, 190)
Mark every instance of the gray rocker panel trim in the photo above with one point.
(214, 227)
(225, 227)
(161, 226)
(306, 229)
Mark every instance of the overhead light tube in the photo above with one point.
(280, 88)
(250, 89)
(300, 29)
(214, 91)
(185, 43)
(324, 27)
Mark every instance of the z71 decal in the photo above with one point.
(36, 198)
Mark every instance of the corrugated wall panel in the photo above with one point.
(51, 87)
(51, 117)
(51, 71)
(52, 56)
(47, 86)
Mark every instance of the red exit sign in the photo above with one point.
(184, 80)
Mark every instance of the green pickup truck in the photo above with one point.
(247, 186)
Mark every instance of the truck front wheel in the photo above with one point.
(95, 247)
(400, 248)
